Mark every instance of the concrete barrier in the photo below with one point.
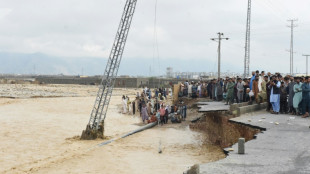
(241, 146)
(244, 108)
(235, 106)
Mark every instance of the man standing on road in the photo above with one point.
(275, 95)
(214, 91)
(240, 89)
(291, 94)
(252, 79)
(283, 99)
(306, 98)
(260, 80)
(262, 95)
(190, 90)
(298, 95)
(209, 89)
(230, 92)
(255, 88)
(219, 91)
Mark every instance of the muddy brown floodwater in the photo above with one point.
(37, 135)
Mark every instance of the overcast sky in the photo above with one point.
(86, 28)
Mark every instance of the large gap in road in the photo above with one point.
(219, 130)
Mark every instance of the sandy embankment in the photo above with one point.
(34, 135)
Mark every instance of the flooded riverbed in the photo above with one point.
(36, 137)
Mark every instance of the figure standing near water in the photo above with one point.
(134, 107)
(128, 104)
(124, 104)
(144, 113)
(162, 112)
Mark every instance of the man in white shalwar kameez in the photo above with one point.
(124, 106)
(260, 80)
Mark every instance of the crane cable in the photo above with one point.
(155, 43)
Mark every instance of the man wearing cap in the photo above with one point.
(275, 95)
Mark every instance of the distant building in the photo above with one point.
(169, 72)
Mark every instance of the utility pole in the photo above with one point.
(292, 26)
(219, 39)
(306, 55)
(291, 69)
(247, 43)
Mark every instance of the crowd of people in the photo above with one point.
(154, 106)
(284, 94)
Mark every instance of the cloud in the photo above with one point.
(4, 12)
(78, 28)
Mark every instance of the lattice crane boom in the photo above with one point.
(104, 94)
(247, 42)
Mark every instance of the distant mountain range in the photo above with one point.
(38, 63)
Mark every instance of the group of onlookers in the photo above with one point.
(153, 106)
(284, 94)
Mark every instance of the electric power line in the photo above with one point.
(292, 26)
(219, 39)
(155, 44)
